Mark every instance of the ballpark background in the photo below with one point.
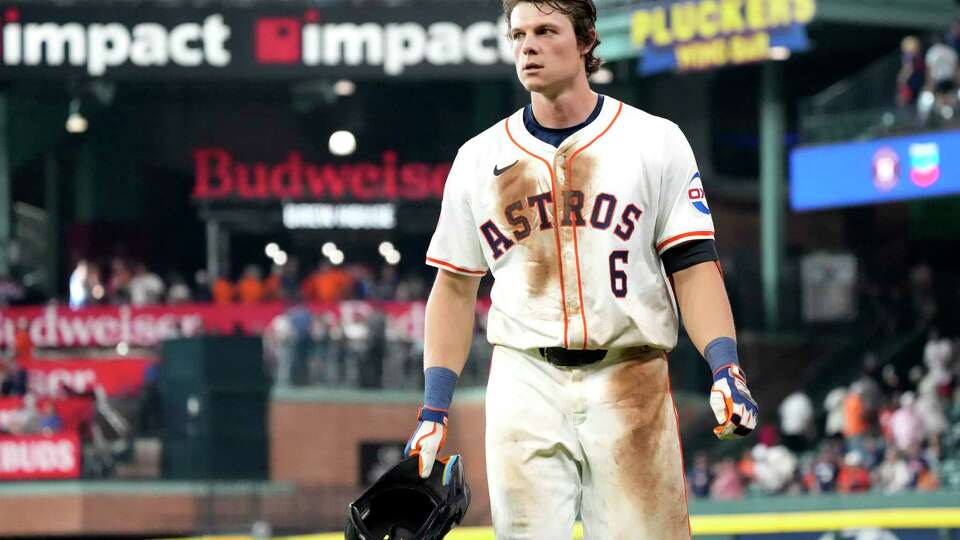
(214, 215)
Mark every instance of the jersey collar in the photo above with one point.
(531, 144)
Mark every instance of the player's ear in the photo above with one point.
(587, 46)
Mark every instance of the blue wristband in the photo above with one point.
(720, 352)
(439, 383)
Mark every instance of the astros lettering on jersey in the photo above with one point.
(573, 234)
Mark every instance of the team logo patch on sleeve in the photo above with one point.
(696, 195)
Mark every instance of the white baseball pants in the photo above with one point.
(601, 442)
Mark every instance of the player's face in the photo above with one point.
(545, 48)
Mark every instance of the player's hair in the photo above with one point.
(583, 15)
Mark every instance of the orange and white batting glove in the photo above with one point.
(428, 438)
(732, 404)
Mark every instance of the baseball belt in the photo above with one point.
(561, 357)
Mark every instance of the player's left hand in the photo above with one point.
(428, 438)
(732, 404)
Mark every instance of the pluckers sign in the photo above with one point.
(441, 39)
(220, 176)
(704, 34)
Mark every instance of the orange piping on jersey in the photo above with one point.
(683, 473)
(576, 247)
(457, 268)
(556, 226)
(684, 235)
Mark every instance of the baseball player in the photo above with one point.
(592, 217)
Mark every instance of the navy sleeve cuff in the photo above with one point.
(688, 254)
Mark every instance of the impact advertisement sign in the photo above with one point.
(705, 34)
(430, 39)
(879, 171)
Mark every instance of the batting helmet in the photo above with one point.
(403, 506)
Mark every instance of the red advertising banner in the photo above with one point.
(39, 457)
(73, 411)
(219, 175)
(118, 377)
(107, 326)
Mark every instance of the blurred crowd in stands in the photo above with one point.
(126, 282)
(927, 86)
(886, 432)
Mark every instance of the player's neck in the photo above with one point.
(564, 109)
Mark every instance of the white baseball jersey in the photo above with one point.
(573, 235)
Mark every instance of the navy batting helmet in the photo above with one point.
(403, 506)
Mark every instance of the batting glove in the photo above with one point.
(428, 438)
(732, 404)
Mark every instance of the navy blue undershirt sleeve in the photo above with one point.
(688, 254)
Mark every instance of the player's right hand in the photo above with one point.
(428, 438)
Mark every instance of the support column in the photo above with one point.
(51, 172)
(6, 229)
(773, 120)
(213, 249)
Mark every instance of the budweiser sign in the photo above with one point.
(219, 175)
(36, 457)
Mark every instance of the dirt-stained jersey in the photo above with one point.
(573, 235)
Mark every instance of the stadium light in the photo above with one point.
(602, 76)
(336, 258)
(393, 258)
(779, 53)
(386, 247)
(344, 87)
(272, 249)
(76, 122)
(280, 258)
(328, 248)
(342, 143)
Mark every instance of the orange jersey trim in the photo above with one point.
(576, 246)
(556, 227)
(455, 267)
(672, 239)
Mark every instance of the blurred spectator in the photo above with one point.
(774, 468)
(941, 61)
(824, 472)
(931, 410)
(301, 323)
(953, 36)
(118, 288)
(146, 288)
(911, 77)
(10, 291)
(222, 290)
(290, 287)
(854, 419)
(328, 284)
(906, 426)
(728, 484)
(201, 287)
(179, 291)
(796, 421)
(27, 418)
(22, 343)
(81, 293)
(892, 476)
(272, 285)
(937, 355)
(13, 378)
(386, 287)
(49, 422)
(250, 287)
(834, 403)
(853, 476)
(700, 477)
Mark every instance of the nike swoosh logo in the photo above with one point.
(497, 171)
